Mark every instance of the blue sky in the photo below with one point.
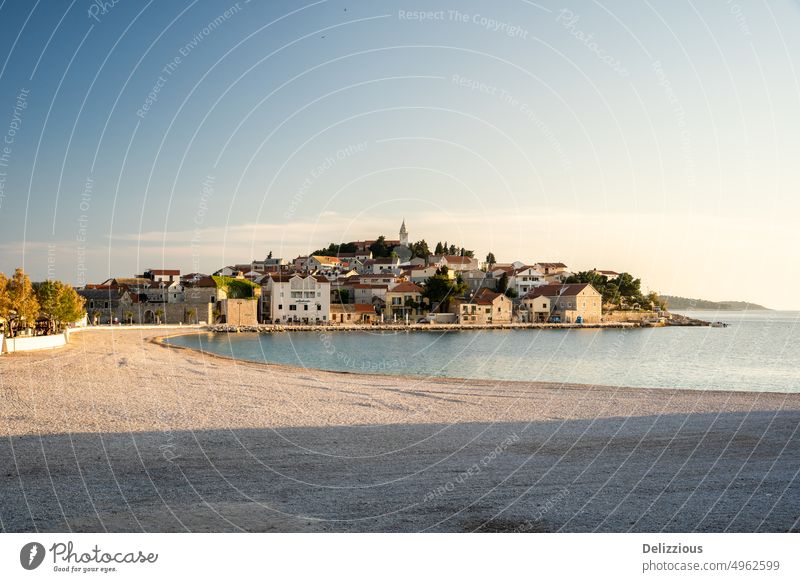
(659, 138)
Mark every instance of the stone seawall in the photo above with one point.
(277, 328)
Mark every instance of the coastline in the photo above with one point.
(169, 439)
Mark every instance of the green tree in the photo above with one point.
(611, 294)
(129, 317)
(379, 248)
(420, 249)
(59, 304)
(440, 288)
(190, 314)
(341, 296)
(333, 250)
(502, 283)
(490, 260)
(159, 314)
(439, 249)
(655, 301)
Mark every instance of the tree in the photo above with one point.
(59, 304)
(510, 293)
(379, 248)
(18, 303)
(269, 255)
(439, 249)
(596, 280)
(655, 301)
(129, 317)
(191, 312)
(333, 250)
(490, 260)
(440, 288)
(502, 283)
(420, 249)
(341, 296)
(452, 250)
(159, 314)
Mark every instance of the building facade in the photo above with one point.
(296, 298)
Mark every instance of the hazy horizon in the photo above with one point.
(657, 140)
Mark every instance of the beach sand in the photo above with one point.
(118, 433)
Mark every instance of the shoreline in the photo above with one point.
(302, 327)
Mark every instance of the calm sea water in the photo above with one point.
(759, 351)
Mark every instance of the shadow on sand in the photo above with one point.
(699, 472)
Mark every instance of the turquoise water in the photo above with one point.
(759, 351)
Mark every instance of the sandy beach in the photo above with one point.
(118, 433)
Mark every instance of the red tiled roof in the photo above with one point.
(557, 290)
(365, 286)
(485, 296)
(406, 288)
(165, 271)
(458, 259)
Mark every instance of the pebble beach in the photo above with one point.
(120, 432)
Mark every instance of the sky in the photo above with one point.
(657, 138)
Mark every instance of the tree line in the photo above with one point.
(622, 291)
(48, 306)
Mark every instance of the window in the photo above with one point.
(280, 306)
(319, 307)
(293, 308)
(305, 307)
(324, 317)
(212, 299)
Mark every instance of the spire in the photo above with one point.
(403, 234)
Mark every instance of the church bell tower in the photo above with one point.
(403, 234)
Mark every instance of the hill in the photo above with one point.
(687, 304)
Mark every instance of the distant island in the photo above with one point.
(685, 303)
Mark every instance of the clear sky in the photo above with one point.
(659, 138)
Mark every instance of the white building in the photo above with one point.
(160, 275)
(296, 298)
(525, 280)
(385, 266)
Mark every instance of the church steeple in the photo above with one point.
(403, 234)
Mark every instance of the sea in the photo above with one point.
(757, 351)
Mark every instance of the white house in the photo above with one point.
(159, 275)
(526, 279)
(384, 266)
(296, 298)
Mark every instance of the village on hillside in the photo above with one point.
(369, 282)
